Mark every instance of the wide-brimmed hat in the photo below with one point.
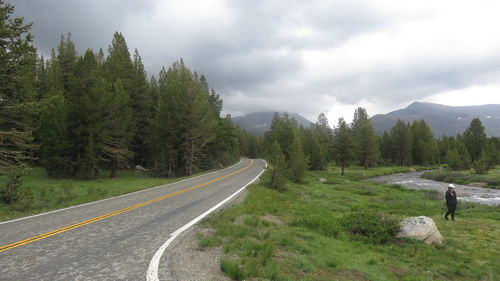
(451, 185)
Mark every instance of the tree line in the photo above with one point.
(292, 149)
(81, 114)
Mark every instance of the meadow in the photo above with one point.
(40, 193)
(311, 232)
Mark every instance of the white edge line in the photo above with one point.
(152, 273)
(110, 198)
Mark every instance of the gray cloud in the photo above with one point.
(301, 56)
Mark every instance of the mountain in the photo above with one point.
(258, 123)
(443, 119)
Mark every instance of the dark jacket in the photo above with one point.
(451, 197)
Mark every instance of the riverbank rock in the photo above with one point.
(421, 228)
(140, 168)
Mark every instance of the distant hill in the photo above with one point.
(443, 120)
(258, 123)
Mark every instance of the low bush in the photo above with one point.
(370, 228)
(24, 198)
(66, 192)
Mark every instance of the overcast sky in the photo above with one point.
(299, 56)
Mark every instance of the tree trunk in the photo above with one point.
(342, 173)
(113, 168)
(366, 164)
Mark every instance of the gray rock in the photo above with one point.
(140, 168)
(421, 228)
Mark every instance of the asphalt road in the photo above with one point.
(117, 245)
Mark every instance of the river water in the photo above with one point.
(466, 193)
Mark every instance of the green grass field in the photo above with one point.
(50, 193)
(296, 234)
(491, 178)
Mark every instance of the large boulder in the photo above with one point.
(140, 168)
(421, 228)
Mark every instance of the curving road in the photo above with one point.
(113, 239)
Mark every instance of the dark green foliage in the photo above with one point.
(364, 139)
(401, 141)
(55, 149)
(183, 126)
(343, 145)
(370, 227)
(17, 96)
(318, 143)
(475, 139)
(278, 167)
(425, 149)
(298, 161)
(480, 166)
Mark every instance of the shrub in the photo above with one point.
(24, 198)
(8, 192)
(66, 192)
(370, 228)
(480, 166)
(433, 195)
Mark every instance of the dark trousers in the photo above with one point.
(451, 210)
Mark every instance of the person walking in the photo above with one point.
(451, 202)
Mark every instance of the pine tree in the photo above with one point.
(425, 149)
(364, 138)
(298, 162)
(278, 166)
(55, 149)
(343, 145)
(475, 139)
(116, 122)
(184, 124)
(140, 102)
(17, 92)
(66, 61)
(401, 140)
(321, 150)
(84, 103)
(386, 148)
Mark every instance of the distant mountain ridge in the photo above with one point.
(257, 123)
(442, 119)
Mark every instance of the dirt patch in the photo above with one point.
(272, 219)
(478, 184)
(349, 275)
(241, 219)
(398, 271)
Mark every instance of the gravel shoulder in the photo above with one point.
(184, 260)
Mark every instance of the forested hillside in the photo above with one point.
(79, 115)
(443, 120)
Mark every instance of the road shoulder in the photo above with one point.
(185, 260)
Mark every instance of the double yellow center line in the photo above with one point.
(108, 215)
